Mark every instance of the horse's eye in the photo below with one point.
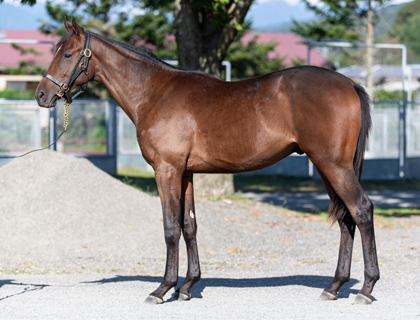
(67, 55)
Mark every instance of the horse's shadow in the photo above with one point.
(312, 281)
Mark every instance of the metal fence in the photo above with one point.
(91, 132)
(21, 126)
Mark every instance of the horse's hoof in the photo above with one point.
(184, 297)
(153, 300)
(327, 296)
(361, 299)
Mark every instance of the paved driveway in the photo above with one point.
(321, 201)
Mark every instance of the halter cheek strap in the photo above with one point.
(80, 66)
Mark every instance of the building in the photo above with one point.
(290, 46)
(10, 57)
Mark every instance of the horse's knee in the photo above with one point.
(172, 236)
(189, 231)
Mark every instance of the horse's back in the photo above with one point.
(254, 123)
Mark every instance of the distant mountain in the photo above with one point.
(276, 15)
(21, 17)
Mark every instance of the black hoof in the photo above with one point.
(361, 299)
(327, 296)
(153, 300)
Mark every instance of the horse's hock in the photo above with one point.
(213, 185)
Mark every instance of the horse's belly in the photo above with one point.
(237, 157)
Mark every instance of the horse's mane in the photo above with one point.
(140, 50)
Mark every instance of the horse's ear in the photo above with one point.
(77, 29)
(67, 25)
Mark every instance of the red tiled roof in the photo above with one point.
(10, 57)
(289, 45)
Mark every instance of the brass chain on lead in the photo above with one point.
(66, 115)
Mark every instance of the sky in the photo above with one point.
(263, 13)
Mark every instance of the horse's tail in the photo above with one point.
(337, 208)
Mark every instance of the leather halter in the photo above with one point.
(64, 92)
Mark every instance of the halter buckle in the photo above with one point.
(86, 52)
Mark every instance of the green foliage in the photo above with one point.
(8, 93)
(250, 60)
(384, 95)
(152, 27)
(24, 68)
(407, 25)
(23, 50)
(28, 2)
(336, 19)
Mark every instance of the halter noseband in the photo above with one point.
(64, 92)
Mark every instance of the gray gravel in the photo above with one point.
(78, 244)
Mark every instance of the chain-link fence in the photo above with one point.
(91, 132)
(87, 130)
(22, 125)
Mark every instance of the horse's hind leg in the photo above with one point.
(346, 185)
(169, 181)
(342, 273)
(189, 231)
(347, 228)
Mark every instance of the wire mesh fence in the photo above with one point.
(87, 130)
(22, 125)
(127, 136)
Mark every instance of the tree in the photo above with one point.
(343, 20)
(204, 30)
(28, 2)
(407, 25)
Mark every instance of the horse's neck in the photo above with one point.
(126, 76)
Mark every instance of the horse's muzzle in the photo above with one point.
(41, 98)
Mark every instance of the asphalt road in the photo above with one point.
(224, 295)
(321, 201)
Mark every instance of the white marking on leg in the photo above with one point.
(191, 214)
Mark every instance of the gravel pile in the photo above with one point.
(62, 214)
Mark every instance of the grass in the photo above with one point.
(142, 180)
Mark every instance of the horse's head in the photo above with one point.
(67, 55)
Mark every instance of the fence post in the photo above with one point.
(53, 128)
(402, 141)
(111, 128)
(36, 128)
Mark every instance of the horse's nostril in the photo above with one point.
(41, 96)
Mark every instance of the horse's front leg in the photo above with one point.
(189, 230)
(169, 182)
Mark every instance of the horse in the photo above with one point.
(190, 122)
